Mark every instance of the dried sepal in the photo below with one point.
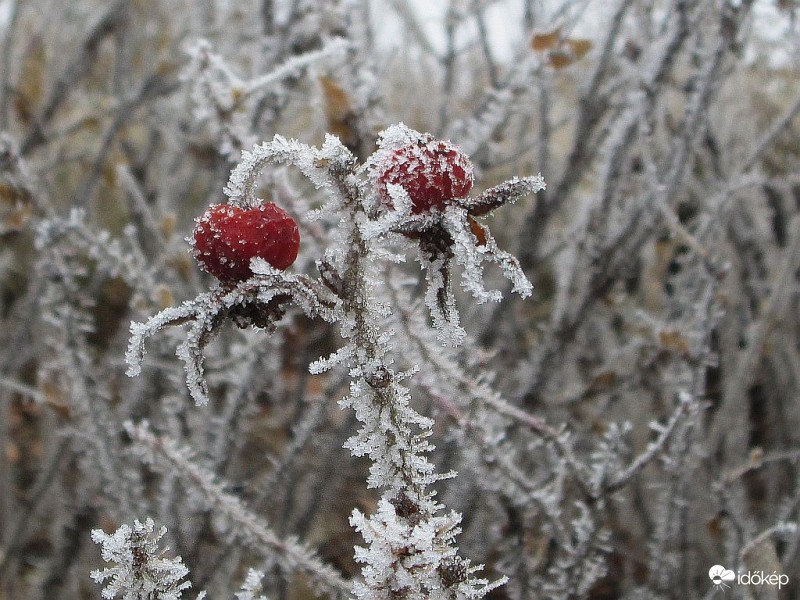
(444, 229)
(507, 192)
(169, 317)
(455, 236)
(260, 301)
(439, 293)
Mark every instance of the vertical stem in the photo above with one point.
(448, 62)
(5, 76)
(365, 332)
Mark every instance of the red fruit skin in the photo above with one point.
(431, 171)
(227, 237)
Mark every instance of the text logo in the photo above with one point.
(720, 576)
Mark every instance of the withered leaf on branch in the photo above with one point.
(545, 41)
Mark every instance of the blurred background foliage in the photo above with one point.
(664, 257)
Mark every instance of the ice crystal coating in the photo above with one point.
(223, 101)
(140, 569)
(226, 238)
(252, 586)
(260, 301)
(414, 560)
(433, 172)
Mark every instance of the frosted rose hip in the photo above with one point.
(227, 237)
(431, 171)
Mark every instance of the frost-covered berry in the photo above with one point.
(433, 172)
(227, 237)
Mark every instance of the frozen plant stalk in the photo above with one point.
(413, 190)
(140, 569)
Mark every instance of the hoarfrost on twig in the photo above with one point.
(140, 569)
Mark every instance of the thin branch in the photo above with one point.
(164, 454)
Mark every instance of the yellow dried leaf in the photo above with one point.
(53, 394)
(674, 340)
(716, 526)
(13, 453)
(30, 83)
(603, 381)
(90, 124)
(338, 110)
(16, 219)
(477, 230)
(579, 47)
(315, 385)
(337, 102)
(184, 266)
(237, 95)
(110, 174)
(545, 41)
(560, 59)
(168, 223)
(166, 68)
(16, 207)
(164, 297)
(62, 409)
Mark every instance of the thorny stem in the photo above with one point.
(355, 297)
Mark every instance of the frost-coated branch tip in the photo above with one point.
(507, 192)
(139, 568)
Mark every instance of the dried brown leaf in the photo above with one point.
(579, 47)
(671, 339)
(477, 230)
(338, 110)
(546, 41)
(561, 58)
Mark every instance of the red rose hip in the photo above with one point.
(431, 171)
(227, 237)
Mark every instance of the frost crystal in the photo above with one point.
(433, 172)
(413, 560)
(259, 301)
(140, 569)
(223, 102)
(252, 586)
